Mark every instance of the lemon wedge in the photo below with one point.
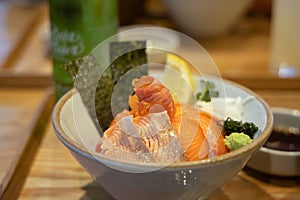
(178, 78)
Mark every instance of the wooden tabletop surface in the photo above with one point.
(56, 175)
(16, 120)
(25, 108)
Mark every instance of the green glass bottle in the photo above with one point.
(77, 26)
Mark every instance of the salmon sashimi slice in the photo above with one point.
(159, 129)
(145, 138)
(199, 134)
(148, 93)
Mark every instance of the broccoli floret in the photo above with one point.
(236, 140)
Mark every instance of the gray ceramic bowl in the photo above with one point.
(278, 162)
(186, 180)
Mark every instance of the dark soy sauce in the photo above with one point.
(284, 139)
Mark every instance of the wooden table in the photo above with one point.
(24, 114)
(26, 98)
(54, 174)
(24, 50)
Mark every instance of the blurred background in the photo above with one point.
(25, 25)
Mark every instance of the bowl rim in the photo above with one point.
(285, 110)
(72, 145)
(279, 152)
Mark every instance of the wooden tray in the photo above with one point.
(24, 52)
(24, 114)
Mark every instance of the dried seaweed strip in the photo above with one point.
(95, 93)
(103, 100)
(125, 56)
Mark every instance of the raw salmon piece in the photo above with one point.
(158, 129)
(150, 92)
(143, 138)
(199, 134)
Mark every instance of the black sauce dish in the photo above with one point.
(280, 155)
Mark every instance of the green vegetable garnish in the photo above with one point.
(232, 126)
(207, 92)
(236, 140)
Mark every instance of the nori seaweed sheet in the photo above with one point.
(85, 79)
(126, 56)
(85, 70)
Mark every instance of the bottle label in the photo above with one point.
(66, 44)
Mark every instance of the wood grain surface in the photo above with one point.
(15, 29)
(25, 45)
(22, 122)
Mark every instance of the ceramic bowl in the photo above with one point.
(278, 162)
(206, 18)
(134, 180)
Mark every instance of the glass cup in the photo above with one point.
(285, 38)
